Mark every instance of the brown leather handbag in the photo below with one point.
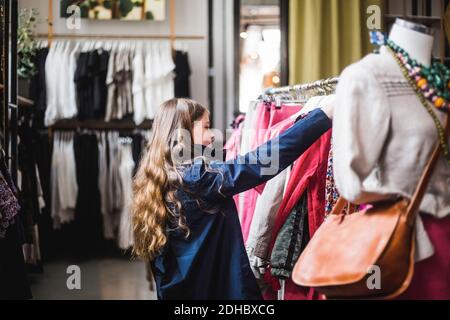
(349, 250)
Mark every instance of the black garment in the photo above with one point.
(48, 237)
(98, 66)
(88, 224)
(90, 79)
(38, 92)
(29, 185)
(291, 241)
(83, 87)
(138, 148)
(182, 75)
(27, 166)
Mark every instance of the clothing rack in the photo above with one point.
(320, 84)
(118, 37)
(71, 125)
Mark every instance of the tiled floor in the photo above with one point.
(106, 279)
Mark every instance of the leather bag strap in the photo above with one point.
(424, 181)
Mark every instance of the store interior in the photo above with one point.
(80, 89)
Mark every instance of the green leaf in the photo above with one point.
(125, 7)
(149, 15)
(107, 4)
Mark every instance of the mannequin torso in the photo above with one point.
(419, 45)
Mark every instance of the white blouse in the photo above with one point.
(383, 138)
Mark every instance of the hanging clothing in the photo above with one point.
(84, 87)
(28, 181)
(233, 144)
(37, 89)
(138, 146)
(48, 240)
(115, 196)
(98, 63)
(88, 219)
(182, 75)
(103, 187)
(376, 156)
(67, 91)
(51, 64)
(308, 175)
(266, 209)
(140, 109)
(119, 84)
(63, 180)
(90, 79)
(331, 193)
(126, 239)
(159, 77)
(60, 91)
(212, 262)
(248, 131)
(267, 116)
(30, 194)
(291, 241)
(232, 148)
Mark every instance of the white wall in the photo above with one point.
(191, 20)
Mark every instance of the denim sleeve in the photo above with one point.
(226, 179)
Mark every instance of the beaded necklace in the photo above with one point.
(423, 100)
(433, 81)
(421, 96)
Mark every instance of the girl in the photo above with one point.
(185, 220)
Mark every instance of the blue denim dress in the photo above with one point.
(212, 264)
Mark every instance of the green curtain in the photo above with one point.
(325, 36)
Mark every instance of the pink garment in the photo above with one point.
(293, 292)
(277, 129)
(267, 116)
(431, 279)
(233, 145)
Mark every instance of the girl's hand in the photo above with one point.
(328, 106)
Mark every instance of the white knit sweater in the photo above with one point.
(383, 138)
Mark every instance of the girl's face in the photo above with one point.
(202, 131)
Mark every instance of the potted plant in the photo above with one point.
(26, 49)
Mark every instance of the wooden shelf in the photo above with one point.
(23, 102)
(419, 19)
(434, 22)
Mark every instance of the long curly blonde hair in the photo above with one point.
(158, 177)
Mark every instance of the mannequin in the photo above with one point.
(383, 138)
(416, 39)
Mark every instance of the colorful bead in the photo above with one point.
(441, 133)
(439, 102)
(436, 77)
(422, 82)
